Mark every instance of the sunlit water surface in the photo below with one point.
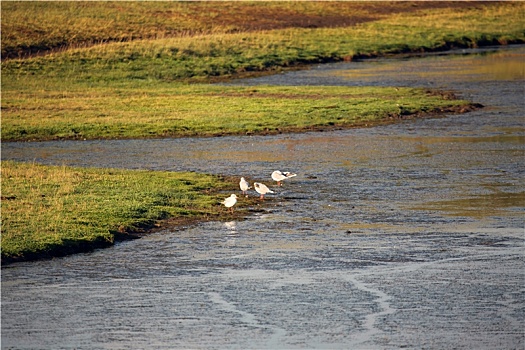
(407, 235)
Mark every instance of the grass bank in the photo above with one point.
(201, 57)
(168, 110)
(139, 88)
(50, 211)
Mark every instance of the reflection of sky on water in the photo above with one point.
(430, 71)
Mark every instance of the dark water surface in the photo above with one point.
(402, 236)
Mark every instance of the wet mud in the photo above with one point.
(407, 235)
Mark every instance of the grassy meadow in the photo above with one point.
(31, 27)
(56, 210)
(185, 110)
(89, 70)
(139, 88)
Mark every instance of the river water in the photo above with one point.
(408, 235)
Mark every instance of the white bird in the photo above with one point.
(262, 189)
(280, 176)
(244, 185)
(230, 202)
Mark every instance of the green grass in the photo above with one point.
(155, 110)
(204, 56)
(139, 88)
(56, 210)
(138, 69)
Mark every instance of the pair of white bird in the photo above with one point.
(262, 189)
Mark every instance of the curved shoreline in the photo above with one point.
(172, 223)
(327, 122)
(181, 222)
(52, 211)
(389, 119)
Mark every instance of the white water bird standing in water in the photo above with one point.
(280, 176)
(230, 202)
(244, 185)
(262, 189)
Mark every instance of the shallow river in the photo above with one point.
(408, 235)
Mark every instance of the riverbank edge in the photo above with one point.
(242, 214)
(169, 224)
(302, 65)
(401, 52)
(249, 206)
(387, 119)
(245, 208)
